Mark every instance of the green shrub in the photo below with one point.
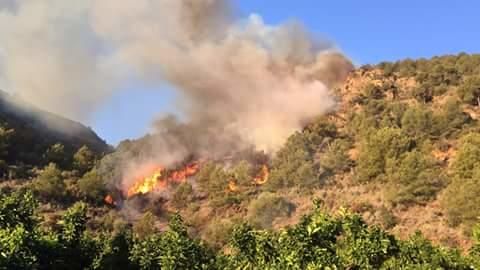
(377, 148)
(145, 226)
(417, 122)
(263, 211)
(451, 119)
(49, 184)
(92, 187)
(182, 195)
(469, 90)
(293, 165)
(84, 160)
(218, 232)
(335, 158)
(461, 199)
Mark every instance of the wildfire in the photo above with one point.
(160, 178)
(262, 176)
(109, 200)
(232, 185)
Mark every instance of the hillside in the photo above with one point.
(400, 150)
(392, 170)
(29, 132)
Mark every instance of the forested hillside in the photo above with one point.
(389, 180)
(30, 137)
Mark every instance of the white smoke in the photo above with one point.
(239, 77)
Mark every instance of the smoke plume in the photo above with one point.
(239, 80)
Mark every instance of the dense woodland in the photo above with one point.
(403, 143)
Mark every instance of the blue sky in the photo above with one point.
(367, 31)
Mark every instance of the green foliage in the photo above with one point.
(218, 233)
(424, 93)
(377, 148)
(214, 180)
(49, 184)
(57, 154)
(387, 219)
(17, 208)
(92, 187)
(293, 165)
(74, 223)
(335, 158)
(461, 199)
(322, 242)
(114, 252)
(263, 211)
(14, 249)
(417, 122)
(413, 179)
(84, 159)
(468, 156)
(451, 119)
(318, 241)
(173, 249)
(5, 140)
(183, 195)
(469, 90)
(145, 226)
(373, 91)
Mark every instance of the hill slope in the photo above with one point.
(27, 134)
(401, 150)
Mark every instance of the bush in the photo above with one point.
(413, 179)
(469, 90)
(84, 160)
(56, 154)
(293, 165)
(218, 232)
(376, 149)
(267, 207)
(387, 219)
(336, 157)
(49, 184)
(92, 187)
(461, 199)
(145, 226)
(417, 122)
(451, 119)
(182, 195)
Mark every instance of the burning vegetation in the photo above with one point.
(160, 178)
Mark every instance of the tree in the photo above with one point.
(84, 159)
(145, 226)
(450, 119)
(173, 249)
(56, 154)
(293, 165)
(469, 91)
(336, 157)
(92, 187)
(424, 93)
(183, 195)
(49, 184)
(5, 140)
(417, 122)
(377, 148)
(413, 178)
(263, 211)
(460, 198)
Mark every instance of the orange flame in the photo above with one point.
(109, 200)
(232, 185)
(159, 179)
(262, 176)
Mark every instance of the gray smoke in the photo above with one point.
(236, 78)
